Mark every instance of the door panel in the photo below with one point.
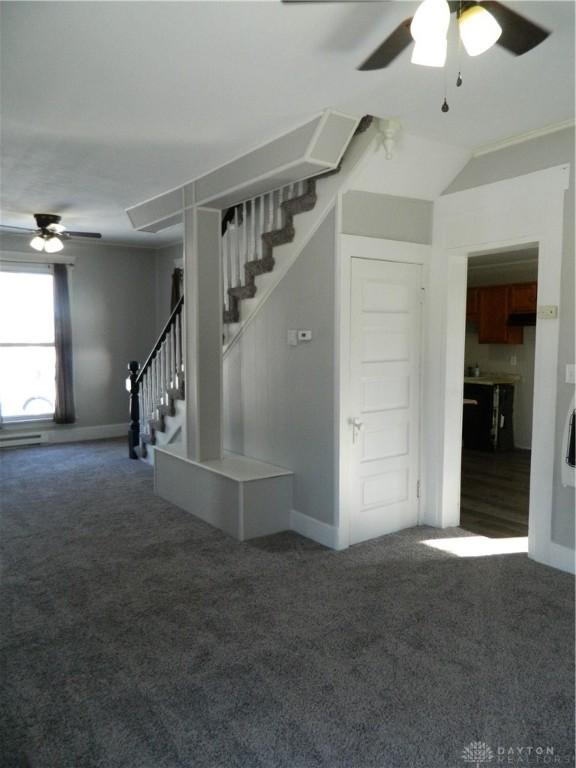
(385, 391)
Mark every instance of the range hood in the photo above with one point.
(522, 319)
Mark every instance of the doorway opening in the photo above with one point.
(497, 418)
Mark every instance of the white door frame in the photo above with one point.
(349, 247)
(527, 209)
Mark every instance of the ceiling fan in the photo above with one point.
(478, 21)
(49, 235)
(481, 25)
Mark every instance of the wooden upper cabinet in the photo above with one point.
(523, 297)
(472, 304)
(494, 308)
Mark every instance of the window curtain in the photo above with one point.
(177, 276)
(64, 412)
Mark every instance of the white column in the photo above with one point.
(203, 333)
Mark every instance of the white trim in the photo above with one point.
(560, 557)
(64, 434)
(315, 529)
(163, 206)
(520, 138)
(349, 247)
(22, 257)
(259, 145)
(524, 209)
(380, 249)
(309, 157)
(213, 200)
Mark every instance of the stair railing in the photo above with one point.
(249, 231)
(154, 385)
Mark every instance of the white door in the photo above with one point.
(385, 397)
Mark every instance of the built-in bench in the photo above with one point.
(241, 496)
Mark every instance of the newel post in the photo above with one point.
(134, 430)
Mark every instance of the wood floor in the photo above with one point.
(495, 493)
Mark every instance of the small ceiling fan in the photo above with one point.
(49, 234)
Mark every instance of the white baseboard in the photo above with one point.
(74, 434)
(60, 434)
(314, 529)
(557, 556)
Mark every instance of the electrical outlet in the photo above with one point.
(571, 373)
(513, 360)
(292, 338)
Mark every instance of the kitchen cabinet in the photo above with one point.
(523, 297)
(494, 308)
(472, 304)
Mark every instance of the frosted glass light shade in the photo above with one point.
(479, 30)
(431, 20)
(37, 243)
(430, 53)
(53, 245)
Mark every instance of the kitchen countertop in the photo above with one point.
(491, 379)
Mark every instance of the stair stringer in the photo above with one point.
(327, 190)
(171, 434)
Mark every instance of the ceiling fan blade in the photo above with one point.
(519, 34)
(390, 48)
(19, 229)
(95, 235)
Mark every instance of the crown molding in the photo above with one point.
(520, 138)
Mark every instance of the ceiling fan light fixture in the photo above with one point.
(57, 229)
(479, 30)
(37, 243)
(53, 245)
(431, 20)
(430, 53)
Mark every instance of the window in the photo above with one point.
(27, 354)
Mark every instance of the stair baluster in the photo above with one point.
(237, 246)
(245, 237)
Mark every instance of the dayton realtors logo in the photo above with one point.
(478, 753)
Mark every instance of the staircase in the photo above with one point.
(250, 232)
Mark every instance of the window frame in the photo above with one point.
(21, 267)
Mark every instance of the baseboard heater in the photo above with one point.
(31, 438)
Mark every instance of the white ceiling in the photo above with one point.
(106, 104)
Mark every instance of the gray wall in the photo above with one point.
(164, 266)
(544, 152)
(279, 403)
(111, 292)
(395, 218)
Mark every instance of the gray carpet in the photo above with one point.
(135, 636)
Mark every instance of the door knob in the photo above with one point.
(357, 425)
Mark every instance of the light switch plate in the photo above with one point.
(292, 338)
(571, 373)
(547, 312)
(304, 335)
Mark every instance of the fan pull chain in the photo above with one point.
(445, 107)
(459, 78)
